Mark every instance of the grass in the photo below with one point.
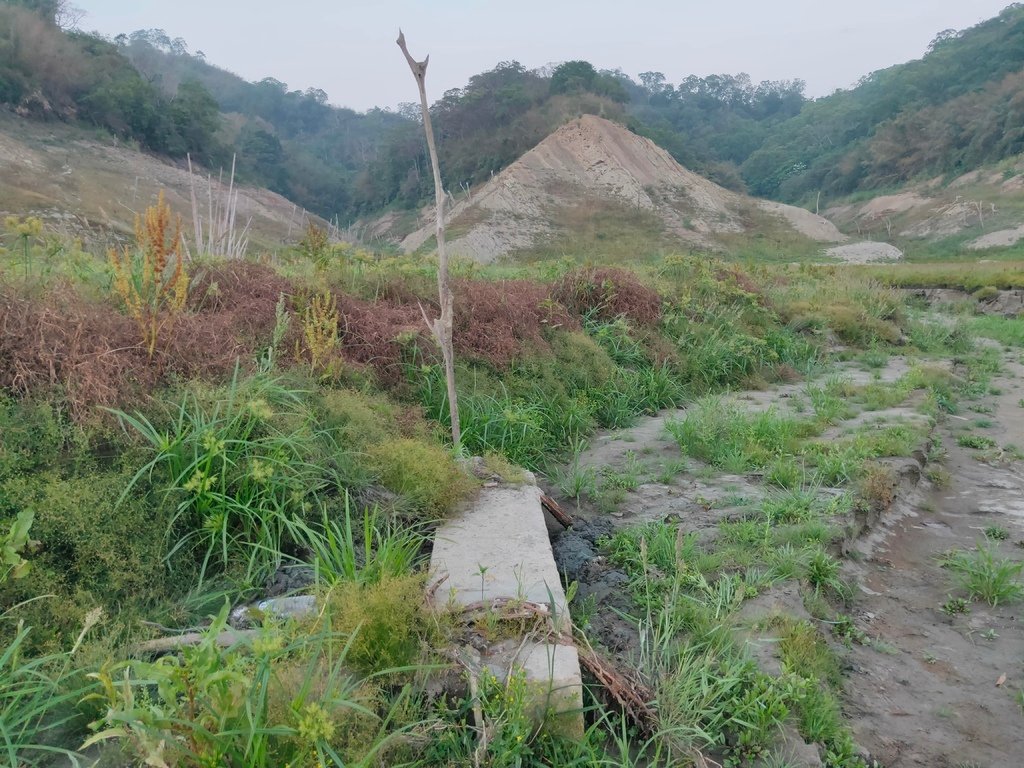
(986, 575)
(1005, 330)
(726, 436)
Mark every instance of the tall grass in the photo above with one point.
(726, 436)
(343, 550)
(241, 469)
(38, 698)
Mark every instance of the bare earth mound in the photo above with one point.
(88, 183)
(593, 159)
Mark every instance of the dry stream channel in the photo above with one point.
(928, 675)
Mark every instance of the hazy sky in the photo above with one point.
(347, 47)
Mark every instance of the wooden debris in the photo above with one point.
(556, 511)
(225, 639)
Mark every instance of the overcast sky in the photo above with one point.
(347, 47)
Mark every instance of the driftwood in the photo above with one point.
(225, 639)
(634, 697)
(556, 511)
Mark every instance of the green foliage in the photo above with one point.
(343, 551)
(986, 575)
(722, 433)
(241, 705)
(241, 465)
(422, 472)
(92, 550)
(383, 620)
(38, 694)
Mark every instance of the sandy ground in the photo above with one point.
(865, 252)
(594, 158)
(86, 183)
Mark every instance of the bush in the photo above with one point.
(93, 551)
(384, 621)
(422, 472)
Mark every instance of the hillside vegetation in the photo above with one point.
(956, 108)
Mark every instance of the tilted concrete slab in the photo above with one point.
(498, 547)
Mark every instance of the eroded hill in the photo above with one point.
(592, 164)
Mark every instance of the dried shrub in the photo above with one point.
(150, 277)
(94, 355)
(374, 333)
(89, 351)
(495, 320)
(878, 485)
(607, 293)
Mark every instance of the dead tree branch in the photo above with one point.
(442, 327)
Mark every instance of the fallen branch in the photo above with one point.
(634, 697)
(225, 639)
(556, 511)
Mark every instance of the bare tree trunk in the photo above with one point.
(442, 327)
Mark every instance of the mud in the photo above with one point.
(926, 688)
(927, 691)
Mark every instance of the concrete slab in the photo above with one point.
(498, 547)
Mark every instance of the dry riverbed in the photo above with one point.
(926, 673)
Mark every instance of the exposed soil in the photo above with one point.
(927, 688)
(928, 691)
(86, 183)
(865, 252)
(595, 159)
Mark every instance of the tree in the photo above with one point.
(573, 76)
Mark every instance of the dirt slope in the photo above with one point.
(88, 183)
(980, 210)
(593, 160)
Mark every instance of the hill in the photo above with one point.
(85, 183)
(590, 165)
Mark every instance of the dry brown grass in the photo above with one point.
(606, 293)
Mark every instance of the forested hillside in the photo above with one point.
(958, 107)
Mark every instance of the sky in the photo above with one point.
(347, 47)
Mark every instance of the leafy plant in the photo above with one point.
(243, 469)
(150, 278)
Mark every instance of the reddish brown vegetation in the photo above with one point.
(607, 293)
(92, 352)
(493, 320)
(372, 333)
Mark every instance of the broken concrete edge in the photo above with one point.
(496, 551)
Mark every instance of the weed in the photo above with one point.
(996, 533)
(878, 485)
(422, 472)
(151, 279)
(242, 469)
(823, 574)
(785, 472)
(320, 330)
(722, 434)
(344, 551)
(955, 605)
(977, 442)
(986, 575)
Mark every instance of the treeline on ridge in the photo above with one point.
(958, 107)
